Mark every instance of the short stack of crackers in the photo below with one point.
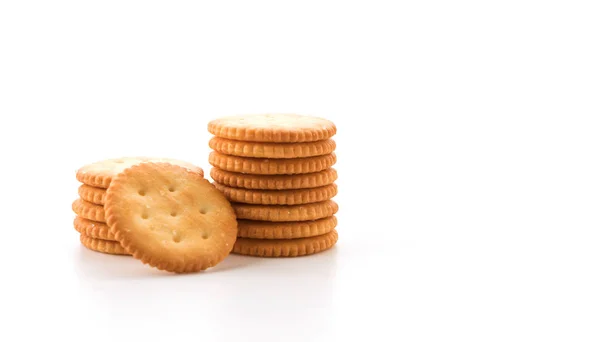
(91, 219)
(276, 169)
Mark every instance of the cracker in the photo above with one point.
(285, 230)
(170, 218)
(101, 173)
(262, 166)
(88, 210)
(271, 150)
(274, 182)
(286, 247)
(104, 246)
(286, 128)
(92, 194)
(285, 213)
(97, 230)
(281, 197)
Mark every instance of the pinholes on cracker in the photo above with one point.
(260, 166)
(274, 182)
(101, 173)
(285, 248)
(282, 197)
(170, 218)
(286, 128)
(271, 150)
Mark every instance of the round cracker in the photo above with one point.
(88, 210)
(285, 230)
(286, 128)
(170, 218)
(281, 197)
(261, 166)
(285, 248)
(271, 150)
(101, 173)
(285, 213)
(274, 182)
(104, 246)
(94, 229)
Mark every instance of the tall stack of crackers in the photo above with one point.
(276, 169)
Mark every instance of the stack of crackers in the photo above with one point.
(276, 169)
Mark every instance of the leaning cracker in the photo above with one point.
(271, 150)
(286, 128)
(285, 230)
(88, 210)
(101, 173)
(92, 194)
(104, 246)
(287, 247)
(274, 182)
(170, 218)
(284, 213)
(281, 197)
(261, 166)
(97, 230)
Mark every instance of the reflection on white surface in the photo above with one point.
(247, 292)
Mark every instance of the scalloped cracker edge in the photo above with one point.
(285, 248)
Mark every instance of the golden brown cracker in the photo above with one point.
(94, 229)
(274, 182)
(101, 173)
(261, 166)
(104, 246)
(254, 149)
(92, 194)
(281, 197)
(285, 213)
(88, 210)
(285, 128)
(170, 218)
(285, 230)
(285, 247)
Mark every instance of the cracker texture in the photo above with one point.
(263, 166)
(274, 182)
(285, 230)
(286, 128)
(271, 150)
(101, 173)
(92, 194)
(88, 210)
(170, 218)
(281, 197)
(285, 248)
(285, 213)
(94, 229)
(103, 246)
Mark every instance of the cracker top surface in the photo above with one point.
(112, 167)
(273, 128)
(100, 174)
(170, 217)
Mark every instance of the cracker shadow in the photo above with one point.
(101, 266)
(235, 261)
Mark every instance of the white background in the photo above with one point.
(468, 147)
